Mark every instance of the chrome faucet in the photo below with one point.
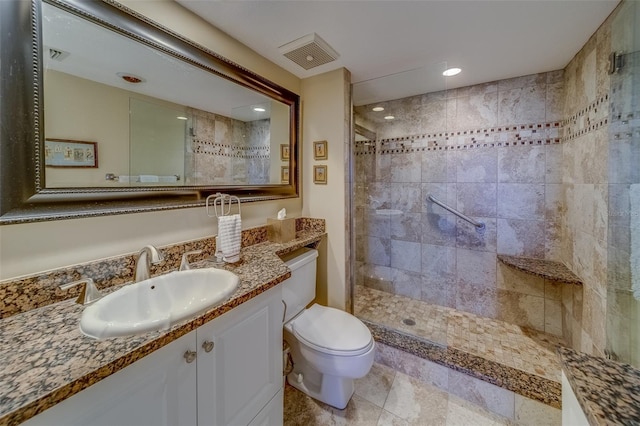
(147, 256)
(89, 293)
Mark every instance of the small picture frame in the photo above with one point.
(284, 152)
(320, 150)
(284, 174)
(70, 153)
(320, 175)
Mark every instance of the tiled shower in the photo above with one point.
(537, 160)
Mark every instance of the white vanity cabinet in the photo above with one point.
(237, 380)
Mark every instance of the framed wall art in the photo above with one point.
(320, 174)
(320, 150)
(284, 174)
(284, 152)
(70, 153)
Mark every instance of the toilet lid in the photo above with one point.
(333, 331)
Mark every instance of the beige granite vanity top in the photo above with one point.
(46, 359)
(608, 391)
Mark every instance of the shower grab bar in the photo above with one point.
(479, 225)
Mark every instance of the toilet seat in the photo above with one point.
(332, 331)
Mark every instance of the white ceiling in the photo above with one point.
(489, 40)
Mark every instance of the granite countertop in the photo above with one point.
(548, 269)
(46, 359)
(608, 391)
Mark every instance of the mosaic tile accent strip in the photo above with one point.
(516, 135)
(547, 269)
(46, 359)
(211, 148)
(31, 292)
(608, 391)
(516, 347)
(592, 117)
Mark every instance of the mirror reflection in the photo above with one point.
(152, 120)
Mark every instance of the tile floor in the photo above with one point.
(507, 344)
(386, 397)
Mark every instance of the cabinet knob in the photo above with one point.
(190, 356)
(207, 346)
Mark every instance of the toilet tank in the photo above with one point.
(300, 289)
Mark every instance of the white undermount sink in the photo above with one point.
(157, 303)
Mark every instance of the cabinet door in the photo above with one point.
(272, 414)
(159, 389)
(243, 371)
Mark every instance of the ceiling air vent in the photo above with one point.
(309, 51)
(57, 54)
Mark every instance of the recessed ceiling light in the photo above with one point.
(130, 78)
(378, 109)
(451, 72)
(389, 117)
(182, 118)
(259, 109)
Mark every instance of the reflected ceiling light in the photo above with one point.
(389, 117)
(451, 72)
(180, 117)
(259, 109)
(130, 78)
(378, 109)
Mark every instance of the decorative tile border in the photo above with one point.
(202, 146)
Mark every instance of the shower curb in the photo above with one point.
(528, 385)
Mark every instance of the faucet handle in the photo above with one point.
(184, 264)
(89, 292)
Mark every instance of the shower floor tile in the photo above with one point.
(508, 344)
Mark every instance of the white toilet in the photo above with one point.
(329, 347)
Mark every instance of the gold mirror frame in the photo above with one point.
(23, 195)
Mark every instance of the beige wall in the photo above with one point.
(326, 103)
(31, 248)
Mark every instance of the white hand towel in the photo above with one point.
(229, 237)
(634, 206)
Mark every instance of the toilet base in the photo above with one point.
(332, 390)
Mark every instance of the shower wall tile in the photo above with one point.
(438, 265)
(554, 102)
(407, 283)
(445, 192)
(406, 255)
(553, 164)
(376, 225)
(478, 300)
(521, 201)
(379, 195)
(522, 105)
(524, 81)
(438, 292)
(406, 168)
(477, 110)
(476, 90)
(486, 395)
(553, 317)
(468, 237)
(436, 167)
(378, 251)
(407, 197)
(475, 268)
(407, 227)
(521, 309)
(477, 199)
(521, 237)
(439, 229)
(476, 166)
(513, 280)
(521, 164)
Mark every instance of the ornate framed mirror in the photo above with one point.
(106, 112)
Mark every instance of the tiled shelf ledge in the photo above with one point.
(528, 385)
(607, 391)
(547, 269)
